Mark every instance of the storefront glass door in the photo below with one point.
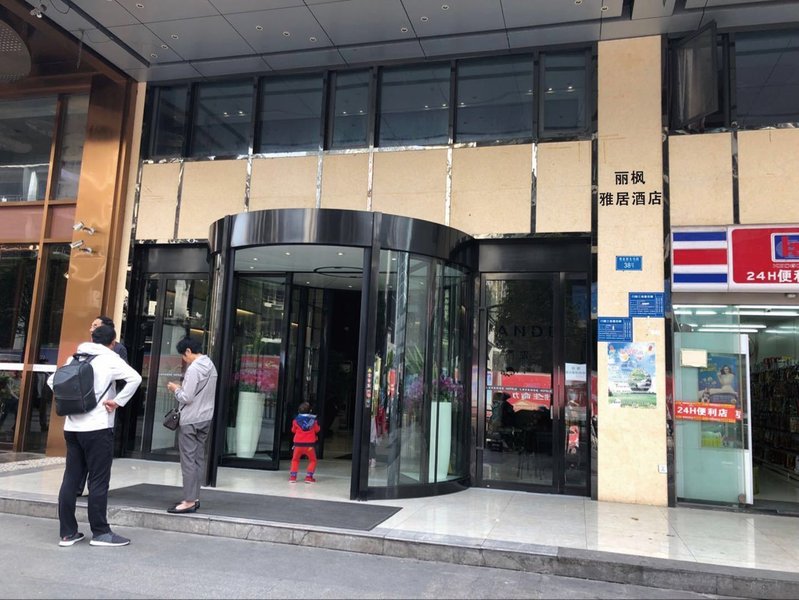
(172, 307)
(712, 404)
(533, 383)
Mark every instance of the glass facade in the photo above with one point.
(170, 105)
(17, 270)
(414, 105)
(28, 126)
(496, 103)
(766, 80)
(350, 110)
(494, 99)
(563, 94)
(290, 114)
(222, 123)
(70, 152)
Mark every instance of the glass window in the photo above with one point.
(257, 338)
(495, 99)
(290, 116)
(767, 77)
(711, 453)
(414, 105)
(418, 405)
(27, 133)
(56, 266)
(72, 136)
(222, 119)
(169, 121)
(350, 110)
(9, 404)
(563, 94)
(17, 268)
(56, 272)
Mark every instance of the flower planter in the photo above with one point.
(249, 417)
(440, 426)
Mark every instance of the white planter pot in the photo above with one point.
(230, 440)
(249, 417)
(440, 425)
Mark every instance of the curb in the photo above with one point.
(550, 560)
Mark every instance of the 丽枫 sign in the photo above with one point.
(764, 258)
(735, 258)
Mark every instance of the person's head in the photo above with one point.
(189, 348)
(104, 335)
(101, 320)
(726, 369)
(305, 408)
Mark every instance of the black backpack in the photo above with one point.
(73, 386)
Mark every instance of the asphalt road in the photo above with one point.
(164, 564)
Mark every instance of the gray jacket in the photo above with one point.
(196, 394)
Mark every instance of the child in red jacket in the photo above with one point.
(304, 427)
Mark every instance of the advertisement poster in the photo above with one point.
(720, 396)
(631, 375)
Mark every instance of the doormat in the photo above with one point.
(280, 509)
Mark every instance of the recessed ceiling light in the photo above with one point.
(139, 5)
(255, 258)
(164, 46)
(404, 29)
(578, 1)
(604, 8)
(424, 19)
(341, 254)
(288, 253)
(312, 39)
(445, 7)
(175, 36)
(259, 27)
(286, 34)
(153, 55)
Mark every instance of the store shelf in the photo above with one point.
(775, 417)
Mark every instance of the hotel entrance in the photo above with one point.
(366, 317)
(533, 369)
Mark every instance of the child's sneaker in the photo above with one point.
(293, 478)
(310, 479)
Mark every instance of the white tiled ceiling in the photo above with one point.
(159, 40)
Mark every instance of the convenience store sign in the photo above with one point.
(735, 258)
(701, 411)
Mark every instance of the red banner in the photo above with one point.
(702, 411)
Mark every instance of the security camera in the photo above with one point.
(79, 226)
(76, 244)
(38, 11)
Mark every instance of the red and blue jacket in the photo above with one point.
(304, 427)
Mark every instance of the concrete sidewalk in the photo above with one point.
(702, 550)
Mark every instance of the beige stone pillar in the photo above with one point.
(632, 440)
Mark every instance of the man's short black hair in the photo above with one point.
(104, 335)
(193, 344)
(304, 408)
(105, 320)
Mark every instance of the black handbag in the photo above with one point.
(172, 419)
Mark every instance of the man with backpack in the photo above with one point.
(123, 352)
(89, 431)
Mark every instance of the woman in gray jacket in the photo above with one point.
(196, 399)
